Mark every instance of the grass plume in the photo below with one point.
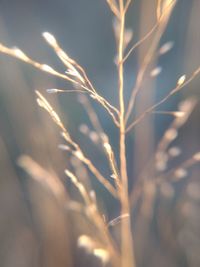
(121, 252)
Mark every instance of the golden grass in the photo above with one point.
(76, 75)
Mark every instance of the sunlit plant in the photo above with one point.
(159, 174)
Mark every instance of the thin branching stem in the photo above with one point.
(172, 92)
(143, 39)
(78, 151)
(113, 111)
(147, 35)
(126, 235)
(114, 8)
(128, 2)
(148, 57)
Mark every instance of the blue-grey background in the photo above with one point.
(84, 30)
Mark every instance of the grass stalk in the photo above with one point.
(127, 259)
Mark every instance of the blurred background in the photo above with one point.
(34, 229)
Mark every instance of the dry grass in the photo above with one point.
(153, 176)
